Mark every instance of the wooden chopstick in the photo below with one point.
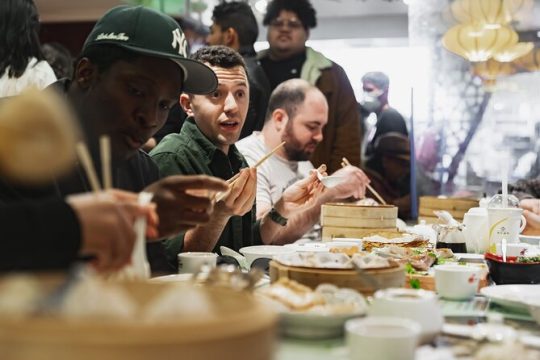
(346, 162)
(86, 161)
(105, 152)
(231, 181)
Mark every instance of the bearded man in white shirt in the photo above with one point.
(297, 113)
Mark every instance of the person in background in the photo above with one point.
(391, 176)
(48, 235)
(124, 83)
(22, 63)
(375, 100)
(289, 23)
(60, 59)
(297, 114)
(195, 33)
(206, 145)
(234, 25)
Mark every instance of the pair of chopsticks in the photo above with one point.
(231, 181)
(88, 165)
(345, 162)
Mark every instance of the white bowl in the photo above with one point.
(417, 305)
(457, 282)
(382, 338)
(264, 251)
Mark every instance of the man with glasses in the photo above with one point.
(289, 23)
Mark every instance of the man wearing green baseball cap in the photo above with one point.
(132, 69)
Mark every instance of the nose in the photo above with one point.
(230, 103)
(318, 136)
(148, 116)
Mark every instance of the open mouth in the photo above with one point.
(229, 125)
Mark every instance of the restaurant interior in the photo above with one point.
(422, 244)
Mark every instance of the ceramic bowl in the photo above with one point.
(511, 272)
(264, 251)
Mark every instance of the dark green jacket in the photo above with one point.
(191, 153)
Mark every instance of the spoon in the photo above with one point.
(503, 249)
(239, 257)
(330, 181)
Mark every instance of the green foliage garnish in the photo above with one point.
(528, 259)
(414, 283)
(409, 269)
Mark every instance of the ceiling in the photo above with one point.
(81, 10)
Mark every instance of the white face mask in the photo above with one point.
(370, 100)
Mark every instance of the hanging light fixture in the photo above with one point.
(529, 62)
(474, 44)
(511, 53)
(490, 70)
(491, 14)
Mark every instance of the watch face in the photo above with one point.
(276, 217)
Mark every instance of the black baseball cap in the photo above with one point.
(149, 32)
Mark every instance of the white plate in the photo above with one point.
(173, 278)
(530, 239)
(511, 296)
(311, 247)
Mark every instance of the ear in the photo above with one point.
(185, 103)
(230, 38)
(85, 73)
(280, 119)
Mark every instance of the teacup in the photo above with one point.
(382, 338)
(457, 282)
(191, 262)
(416, 305)
(505, 223)
(519, 249)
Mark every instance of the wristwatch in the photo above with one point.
(277, 217)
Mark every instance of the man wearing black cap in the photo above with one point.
(131, 71)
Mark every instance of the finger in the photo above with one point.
(322, 168)
(123, 240)
(182, 182)
(237, 187)
(123, 195)
(247, 197)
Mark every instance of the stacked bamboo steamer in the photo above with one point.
(343, 220)
(236, 326)
(457, 207)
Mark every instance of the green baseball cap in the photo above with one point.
(148, 32)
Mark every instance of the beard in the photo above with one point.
(293, 148)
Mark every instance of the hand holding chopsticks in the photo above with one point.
(232, 181)
(345, 163)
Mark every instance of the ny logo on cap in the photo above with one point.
(179, 39)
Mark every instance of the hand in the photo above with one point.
(179, 207)
(241, 195)
(106, 221)
(533, 223)
(532, 205)
(300, 195)
(354, 184)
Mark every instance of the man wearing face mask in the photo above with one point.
(375, 100)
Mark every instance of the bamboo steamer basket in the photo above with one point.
(243, 329)
(358, 216)
(457, 207)
(331, 232)
(348, 278)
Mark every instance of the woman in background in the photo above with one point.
(22, 62)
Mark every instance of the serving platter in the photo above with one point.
(511, 296)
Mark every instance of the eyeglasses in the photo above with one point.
(293, 24)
